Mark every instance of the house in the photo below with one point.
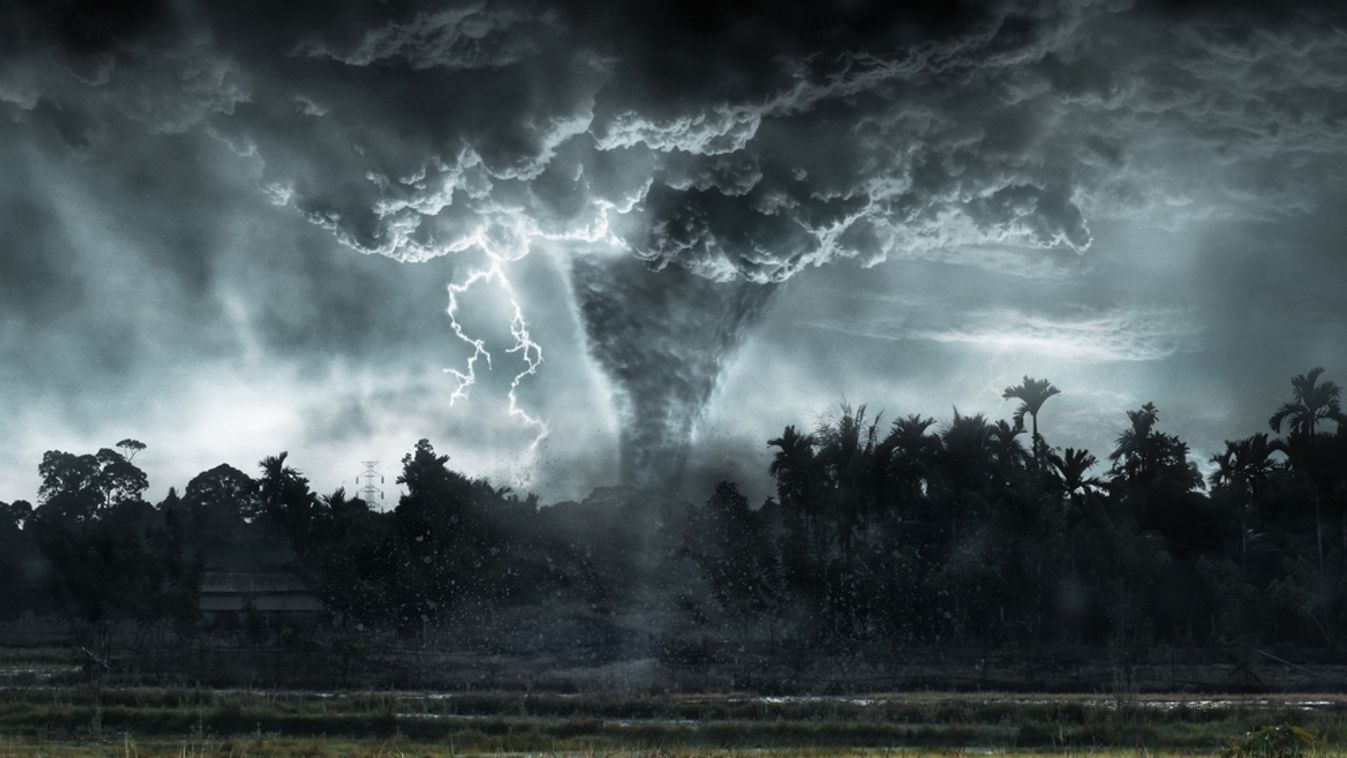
(275, 594)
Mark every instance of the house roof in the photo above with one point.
(252, 582)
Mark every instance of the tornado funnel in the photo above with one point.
(663, 338)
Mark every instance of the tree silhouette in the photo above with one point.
(1243, 468)
(70, 488)
(1032, 394)
(337, 501)
(1148, 464)
(1135, 445)
(81, 487)
(967, 468)
(914, 532)
(846, 447)
(224, 494)
(1071, 469)
(286, 498)
(915, 451)
(119, 479)
(1313, 402)
(130, 448)
(795, 469)
(1006, 450)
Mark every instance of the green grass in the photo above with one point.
(156, 721)
(284, 747)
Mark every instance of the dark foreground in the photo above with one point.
(155, 721)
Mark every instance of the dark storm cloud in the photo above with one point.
(744, 142)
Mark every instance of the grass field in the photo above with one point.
(257, 747)
(185, 722)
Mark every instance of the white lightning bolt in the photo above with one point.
(523, 343)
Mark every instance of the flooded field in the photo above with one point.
(1157, 701)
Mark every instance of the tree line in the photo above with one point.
(973, 531)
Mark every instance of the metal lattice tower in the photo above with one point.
(368, 482)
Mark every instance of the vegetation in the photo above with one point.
(280, 747)
(888, 535)
(205, 722)
(1274, 741)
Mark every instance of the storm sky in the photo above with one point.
(230, 229)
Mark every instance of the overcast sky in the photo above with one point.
(230, 229)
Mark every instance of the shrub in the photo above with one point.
(1280, 741)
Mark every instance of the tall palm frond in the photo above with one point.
(1032, 394)
(1312, 402)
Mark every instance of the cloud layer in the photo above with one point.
(746, 144)
(723, 148)
(1085, 335)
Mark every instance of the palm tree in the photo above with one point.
(846, 451)
(1132, 451)
(909, 434)
(285, 493)
(793, 466)
(1144, 459)
(272, 484)
(1242, 468)
(1312, 402)
(1071, 469)
(912, 454)
(1031, 393)
(338, 502)
(968, 442)
(1006, 448)
(967, 464)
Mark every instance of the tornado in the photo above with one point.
(663, 338)
(711, 155)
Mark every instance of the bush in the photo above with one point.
(1281, 741)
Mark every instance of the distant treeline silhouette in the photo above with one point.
(910, 532)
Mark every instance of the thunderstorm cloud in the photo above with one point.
(687, 162)
(735, 145)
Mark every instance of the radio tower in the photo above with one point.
(368, 488)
